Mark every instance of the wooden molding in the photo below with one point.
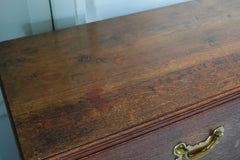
(119, 138)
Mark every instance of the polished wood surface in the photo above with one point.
(157, 127)
(158, 145)
(70, 88)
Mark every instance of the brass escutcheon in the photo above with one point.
(193, 152)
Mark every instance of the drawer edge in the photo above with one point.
(121, 137)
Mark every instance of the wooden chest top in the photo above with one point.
(72, 88)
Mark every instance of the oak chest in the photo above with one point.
(132, 87)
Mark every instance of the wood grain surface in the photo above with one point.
(157, 126)
(68, 88)
(159, 144)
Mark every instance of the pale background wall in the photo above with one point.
(85, 11)
(8, 149)
(40, 18)
(13, 23)
(19, 18)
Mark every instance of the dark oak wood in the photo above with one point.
(71, 90)
(159, 144)
(149, 127)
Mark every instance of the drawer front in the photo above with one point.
(158, 145)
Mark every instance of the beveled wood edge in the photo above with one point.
(10, 117)
(129, 134)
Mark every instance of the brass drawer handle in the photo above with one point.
(193, 152)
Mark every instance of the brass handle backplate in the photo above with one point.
(193, 152)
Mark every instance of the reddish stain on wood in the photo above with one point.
(120, 54)
(93, 83)
(46, 90)
(118, 61)
(159, 52)
(94, 97)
